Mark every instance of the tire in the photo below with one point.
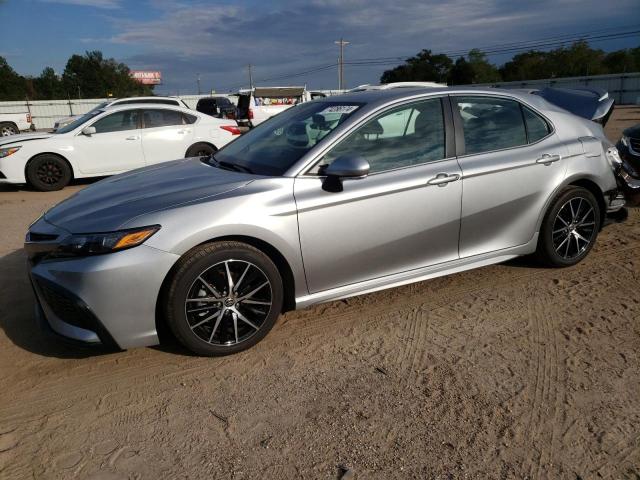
(238, 320)
(569, 228)
(7, 128)
(200, 150)
(48, 172)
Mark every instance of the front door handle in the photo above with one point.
(442, 179)
(133, 137)
(547, 159)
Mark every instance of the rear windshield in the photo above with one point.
(275, 145)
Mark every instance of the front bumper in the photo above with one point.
(103, 299)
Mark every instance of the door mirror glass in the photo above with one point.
(88, 131)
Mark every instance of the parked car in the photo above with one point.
(14, 123)
(220, 107)
(175, 101)
(629, 147)
(255, 105)
(109, 141)
(332, 198)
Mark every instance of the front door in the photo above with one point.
(404, 215)
(115, 147)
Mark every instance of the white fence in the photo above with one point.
(45, 112)
(624, 88)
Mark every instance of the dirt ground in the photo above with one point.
(510, 371)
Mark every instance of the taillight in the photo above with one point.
(231, 129)
(250, 114)
(28, 118)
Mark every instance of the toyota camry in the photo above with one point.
(332, 198)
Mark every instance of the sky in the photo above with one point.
(217, 40)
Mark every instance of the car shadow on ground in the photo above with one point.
(7, 187)
(17, 313)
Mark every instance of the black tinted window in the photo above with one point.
(404, 136)
(117, 122)
(537, 127)
(161, 118)
(491, 123)
(189, 118)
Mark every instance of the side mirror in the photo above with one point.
(346, 166)
(88, 131)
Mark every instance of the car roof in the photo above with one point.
(138, 106)
(154, 97)
(375, 97)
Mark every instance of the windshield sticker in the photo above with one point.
(340, 109)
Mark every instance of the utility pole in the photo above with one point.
(198, 80)
(342, 44)
(250, 76)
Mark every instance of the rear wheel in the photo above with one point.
(223, 298)
(7, 129)
(200, 150)
(48, 172)
(569, 228)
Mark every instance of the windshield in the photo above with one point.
(275, 145)
(76, 123)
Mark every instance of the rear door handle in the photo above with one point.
(133, 137)
(547, 159)
(442, 179)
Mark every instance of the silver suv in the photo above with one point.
(330, 199)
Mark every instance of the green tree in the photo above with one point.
(424, 67)
(483, 71)
(12, 85)
(461, 72)
(48, 86)
(92, 76)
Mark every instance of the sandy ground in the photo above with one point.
(510, 371)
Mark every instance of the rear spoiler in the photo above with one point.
(592, 104)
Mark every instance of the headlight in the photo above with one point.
(5, 152)
(614, 157)
(99, 243)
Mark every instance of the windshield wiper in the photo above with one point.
(232, 166)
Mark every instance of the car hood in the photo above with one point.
(23, 137)
(109, 204)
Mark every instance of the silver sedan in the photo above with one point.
(330, 199)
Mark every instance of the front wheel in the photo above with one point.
(569, 228)
(48, 172)
(223, 298)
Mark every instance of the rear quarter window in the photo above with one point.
(537, 127)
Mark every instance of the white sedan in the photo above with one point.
(111, 141)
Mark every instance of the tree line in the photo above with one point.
(578, 59)
(85, 76)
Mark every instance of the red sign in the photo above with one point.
(147, 78)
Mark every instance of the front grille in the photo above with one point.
(635, 144)
(41, 237)
(66, 308)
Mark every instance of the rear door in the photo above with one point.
(511, 162)
(116, 146)
(404, 215)
(166, 135)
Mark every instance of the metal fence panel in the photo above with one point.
(624, 88)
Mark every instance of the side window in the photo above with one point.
(189, 119)
(117, 122)
(491, 123)
(537, 127)
(404, 136)
(161, 118)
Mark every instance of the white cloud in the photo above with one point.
(107, 4)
